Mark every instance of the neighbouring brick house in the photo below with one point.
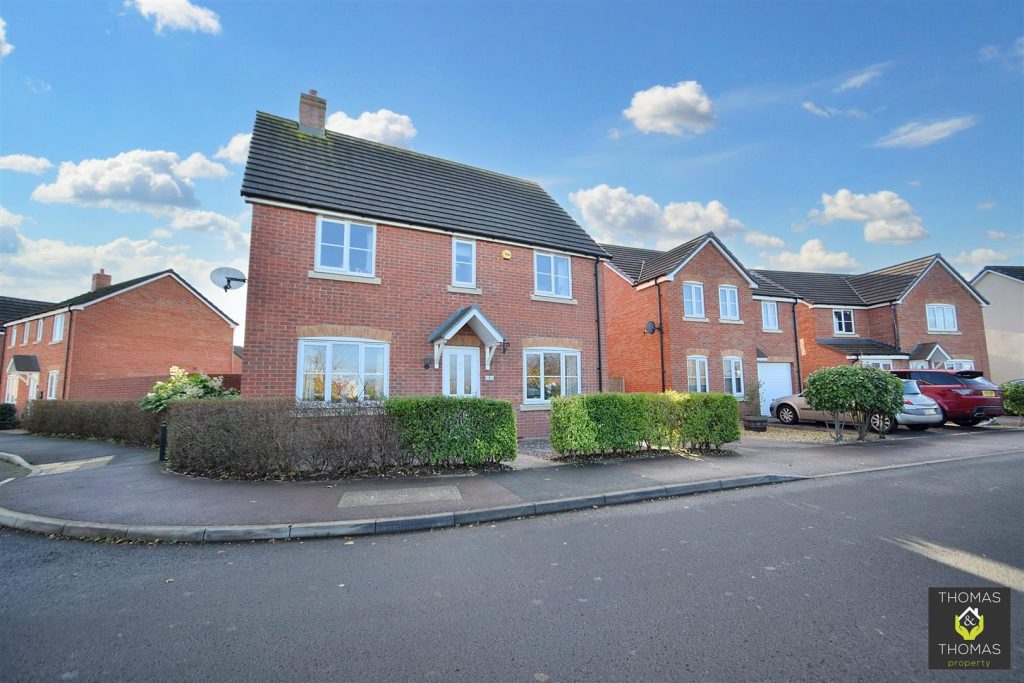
(114, 341)
(718, 325)
(375, 270)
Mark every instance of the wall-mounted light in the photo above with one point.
(427, 360)
(504, 347)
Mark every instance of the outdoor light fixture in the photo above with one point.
(504, 347)
(427, 360)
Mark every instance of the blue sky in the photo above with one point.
(815, 136)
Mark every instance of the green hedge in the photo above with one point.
(120, 421)
(8, 416)
(611, 422)
(1013, 398)
(449, 430)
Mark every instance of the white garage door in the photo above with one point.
(777, 380)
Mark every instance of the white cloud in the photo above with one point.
(982, 256)
(198, 166)
(614, 214)
(614, 133)
(997, 235)
(988, 52)
(859, 80)
(211, 222)
(812, 257)
(815, 109)
(673, 110)
(9, 219)
(23, 163)
(177, 14)
(832, 112)
(1011, 57)
(917, 134)
(5, 47)
(886, 216)
(760, 239)
(162, 233)
(38, 87)
(237, 149)
(986, 206)
(53, 270)
(914, 183)
(382, 125)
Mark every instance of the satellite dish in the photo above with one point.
(650, 327)
(227, 278)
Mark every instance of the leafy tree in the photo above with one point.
(182, 385)
(855, 393)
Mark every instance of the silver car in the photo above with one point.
(919, 412)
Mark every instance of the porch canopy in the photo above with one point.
(23, 368)
(488, 333)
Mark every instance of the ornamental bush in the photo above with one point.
(1013, 398)
(181, 386)
(593, 424)
(447, 430)
(8, 416)
(855, 393)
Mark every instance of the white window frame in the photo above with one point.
(699, 363)
(39, 330)
(733, 365)
(33, 387)
(959, 364)
(344, 270)
(363, 344)
(880, 364)
(563, 353)
(835, 321)
(933, 313)
(25, 333)
(471, 284)
(13, 331)
(51, 385)
(724, 304)
(920, 365)
(774, 308)
(58, 327)
(11, 392)
(696, 287)
(537, 255)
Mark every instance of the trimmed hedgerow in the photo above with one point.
(1013, 398)
(447, 430)
(612, 422)
(120, 421)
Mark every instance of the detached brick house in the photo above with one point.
(114, 341)
(378, 271)
(694, 319)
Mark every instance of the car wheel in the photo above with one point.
(881, 423)
(968, 422)
(917, 428)
(787, 414)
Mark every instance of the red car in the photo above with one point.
(965, 397)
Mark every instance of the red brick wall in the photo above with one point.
(811, 324)
(779, 347)
(632, 355)
(51, 357)
(415, 270)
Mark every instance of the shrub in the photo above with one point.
(182, 386)
(615, 422)
(449, 430)
(8, 416)
(854, 392)
(120, 421)
(1013, 398)
(248, 437)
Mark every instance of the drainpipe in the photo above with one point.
(67, 354)
(661, 337)
(597, 306)
(895, 326)
(796, 349)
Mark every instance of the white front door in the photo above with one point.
(460, 371)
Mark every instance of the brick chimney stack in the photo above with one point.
(312, 113)
(100, 280)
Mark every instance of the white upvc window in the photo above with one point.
(463, 263)
(552, 275)
(697, 375)
(732, 370)
(959, 364)
(13, 331)
(769, 315)
(842, 320)
(880, 364)
(693, 300)
(341, 370)
(24, 336)
(941, 318)
(728, 302)
(11, 394)
(345, 247)
(58, 327)
(51, 385)
(39, 329)
(548, 373)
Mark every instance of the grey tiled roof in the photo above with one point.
(350, 175)
(12, 309)
(870, 347)
(22, 363)
(923, 351)
(631, 260)
(1016, 272)
(444, 328)
(647, 264)
(816, 287)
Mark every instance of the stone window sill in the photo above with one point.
(553, 299)
(341, 277)
(530, 407)
(730, 321)
(455, 289)
(689, 319)
(949, 332)
(771, 331)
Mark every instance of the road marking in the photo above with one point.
(6, 480)
(982, 567)
(72, 466)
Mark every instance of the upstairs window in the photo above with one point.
(345, 247)
(463, 263)
(728, 303)
(58, 327)
(693, 300)
(941, 318)
(552, 275)
(769, 315)
(39, 329)
(842, 320)
(732, 368)
(697, 375)
(24, 336)
(13, 331)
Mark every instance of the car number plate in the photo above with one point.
(929, 411)
(988, 393)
